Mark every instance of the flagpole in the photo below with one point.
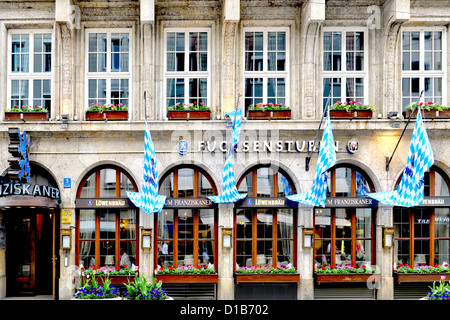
(388, 160)
(307, 159)
(145, 105)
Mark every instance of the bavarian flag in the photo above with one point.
(410, 191)
(148, 200)
(327, 158)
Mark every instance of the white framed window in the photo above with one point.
(30, 55)
(423, 65)
(108, 67)
(187, 67)
(345, 65)
(266, 66)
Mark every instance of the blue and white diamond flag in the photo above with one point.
(410, 190)
(229, 190)
(327, 158)
(148, 200)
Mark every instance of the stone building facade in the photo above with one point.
(223, 53)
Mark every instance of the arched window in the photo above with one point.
(265, 234)
(107, 233)
(186, 227)
(344, 230)
(422, 233)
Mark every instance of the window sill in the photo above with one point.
(346, 277)
(266, 277)
(419, 277)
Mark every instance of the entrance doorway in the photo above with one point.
(29, 252)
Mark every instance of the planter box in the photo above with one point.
(351, 114)
(269, 115)
(188, 278)
(115, 280)
(26, 116)
(429, 114)
(419, 277)
(106, 115)
(349, 277)
(189, 114)
(269, 278)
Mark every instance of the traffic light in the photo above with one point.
(19, 147)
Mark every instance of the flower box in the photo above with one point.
(351, 114)
(189, 114)
(429, 114)
(26, 116)
(269, 114)
(346, 277)
(419, 277)
(188, 278)
(106, 115)
(267, 277)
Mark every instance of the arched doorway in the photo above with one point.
(30, 220)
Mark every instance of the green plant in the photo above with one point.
(107, 107)
(405, 268)
(268, 107)
(28, 109)
(343, 269)
(266, 270)
(427, 106)
(110, 271)
(141, 289)
(191, 106)
(351, 105)
(442, 292)
(205, 269)
(92, 289)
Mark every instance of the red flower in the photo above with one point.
(400, 265)
(117, 268)
(435, 265)
(323, 267)
(125, 266)
(332, 266)
(161, 269)
(354, 266)
(170, 268)
(363, 266)
(82, 268)
(446, 265)
(205, 266)
(94, 268)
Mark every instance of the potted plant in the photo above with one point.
(351, 110)
(107, 112)
(117, 276)
(141, 289)
(94, 289)
(345, 273)
(187, 274)
(268, 111)
(423, 273)
(442, 292)
(431, 110)
(192, 111)
(279, 274)
(26, 113)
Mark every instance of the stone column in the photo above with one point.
(313, 14)
(225, 286)
(231, 17)
(385, 290)
(305, 256)
(2, 257)
(146, 45)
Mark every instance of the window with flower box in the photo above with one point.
(187, 67)
(345, 235)
(265, 236)
(266, 66)
(107, 233)
(30, 68)
(108, 67)
(423, 65)
(186, 233)
(344, 65)
(422, 234)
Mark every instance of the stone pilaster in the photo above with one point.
(305, 256)
(225, 286)
(385, 291)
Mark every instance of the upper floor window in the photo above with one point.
(344, 66)
(30, 68)
(423, 66)
(108, 69)
(266, 66)
(187, 67)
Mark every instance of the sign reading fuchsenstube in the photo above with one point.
(25, 189)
